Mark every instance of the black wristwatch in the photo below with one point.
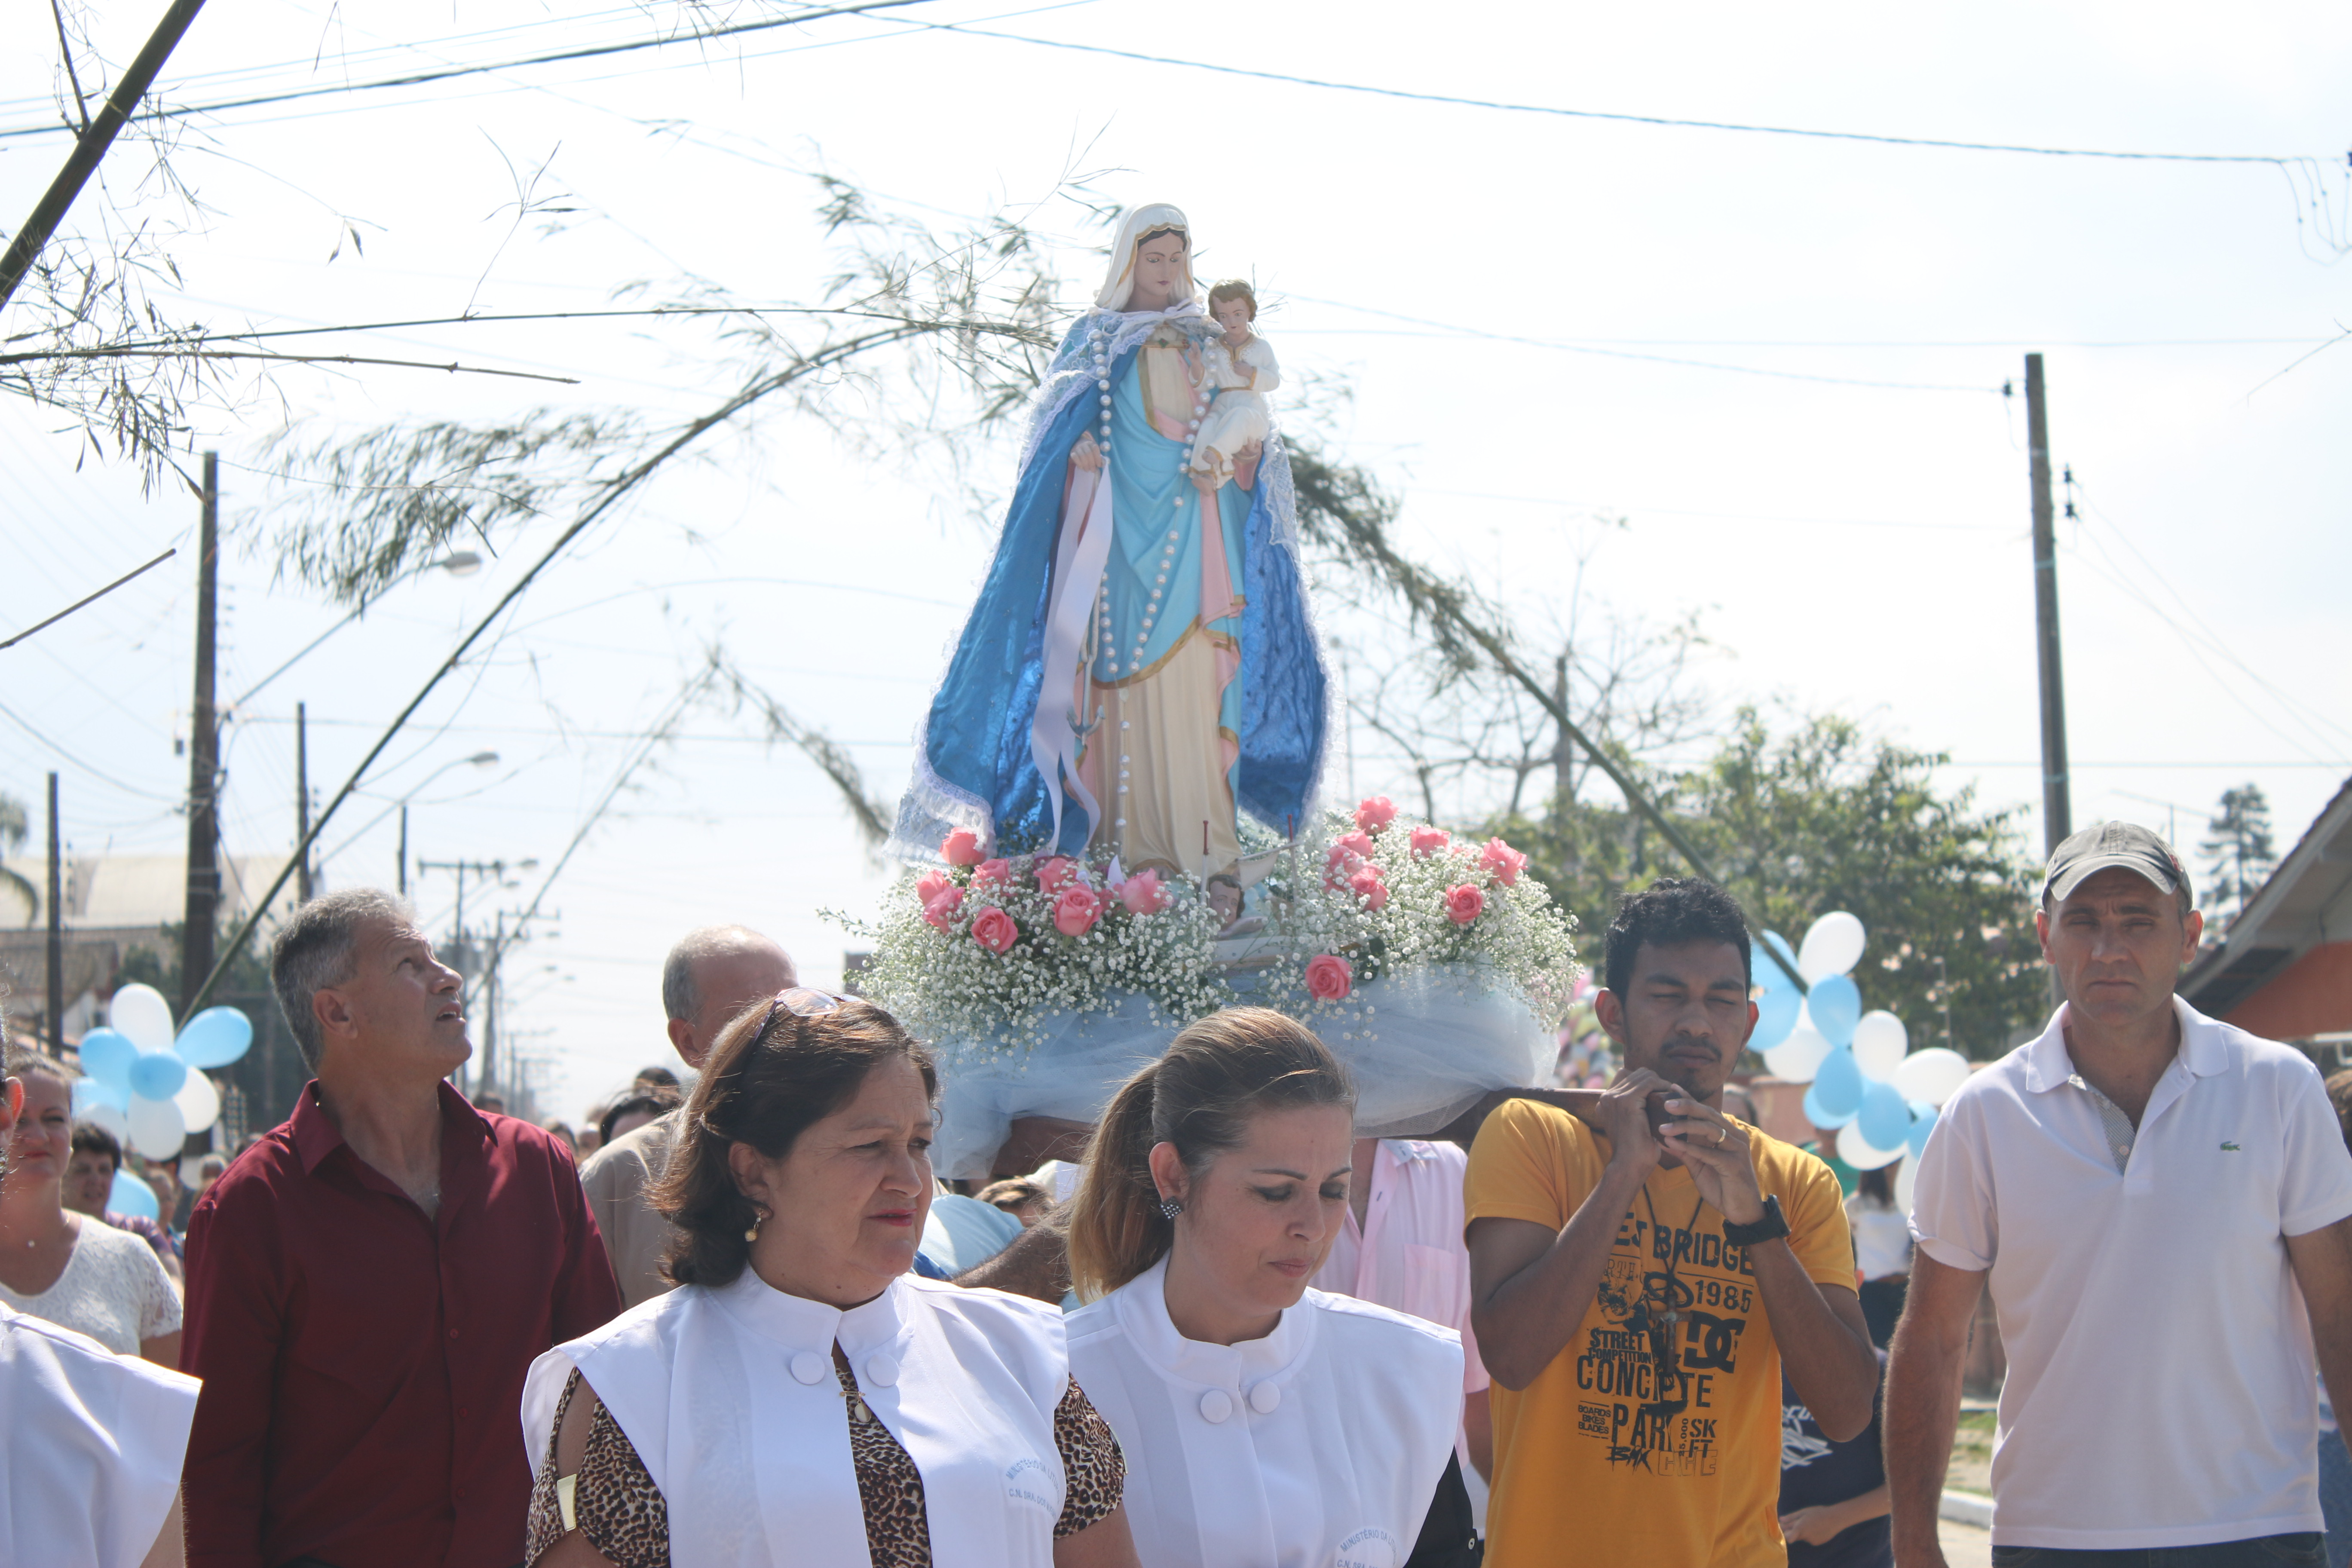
(1773, 1223)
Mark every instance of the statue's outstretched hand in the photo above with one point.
(1086, 454)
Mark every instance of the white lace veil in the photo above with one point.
(1118, 282)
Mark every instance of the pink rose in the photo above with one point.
(1375, 814)
(961, 847)
(994, 929)
(1349, 851)
(1368, 889)
(1076, 911)
(993, 874)
(1504, 861)
(1144, 894)
(930, 885)
(1465, 904)
(942, 906)
(1428, 841)
(1329, 978)
(1056, 874)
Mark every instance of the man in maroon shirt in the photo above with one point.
(369, 1283)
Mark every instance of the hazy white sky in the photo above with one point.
(1833, 484)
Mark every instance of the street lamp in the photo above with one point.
(480, 760)
(463, 564)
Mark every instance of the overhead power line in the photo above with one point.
(416, 78)
(1624, 119)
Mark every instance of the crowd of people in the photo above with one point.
(1625, 1325)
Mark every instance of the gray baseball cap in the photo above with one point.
(2105, 844)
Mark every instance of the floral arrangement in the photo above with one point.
(983, 950)
(1379, 895)
(986, 949)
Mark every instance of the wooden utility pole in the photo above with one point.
(2057, 809)
(203, 908)
(302, 801)
(57, 1042)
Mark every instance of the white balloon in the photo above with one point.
(156, 1130)
(198, 1101)
(1904, 1181)
(1832, 946)
(1879, 1041)
(1934, 1075)
(1799, 1057)
(1862, 1156)
(141, 1013)
(104, 1114)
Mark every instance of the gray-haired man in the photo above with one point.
(368, 1284)
(711, 975)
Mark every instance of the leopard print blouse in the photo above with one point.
(624, 1516)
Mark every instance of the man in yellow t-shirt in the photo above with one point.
(1638, 1285)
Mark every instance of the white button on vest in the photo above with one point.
(1215, 1405)
(808, 1366)
(1265, 1397)
(881, 1371)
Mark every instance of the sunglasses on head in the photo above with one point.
(804, 1001)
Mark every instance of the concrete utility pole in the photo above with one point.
(57, 931)
(2057, 809)
(203, 908)
(303, 800)
(496, 870)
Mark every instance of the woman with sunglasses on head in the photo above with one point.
(1264, 1423)
(800, 1398)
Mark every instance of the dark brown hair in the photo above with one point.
(1233, 289)
(1199, 1096)
(772, 1074)
(2339, 1095)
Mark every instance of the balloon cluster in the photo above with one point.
(145, 1083)
(1880, 1095)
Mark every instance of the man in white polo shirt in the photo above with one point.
(2158, 1201)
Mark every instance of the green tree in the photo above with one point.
(2238, 853)
(1823, 818)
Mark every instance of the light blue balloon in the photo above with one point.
(132, 1195)
(1838, 1085)
(157, 1075)
(1772, 963)
(1820, 1115)
(107, 1055)
(90, 1091)
(1775, 1014)
(1835, 1004)
(1922, 1122)
(1886, 1116)
(214, 1037)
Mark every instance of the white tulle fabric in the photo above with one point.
(1429, 1048)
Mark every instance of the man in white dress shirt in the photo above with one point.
(2158, 1203)
(92, 1446)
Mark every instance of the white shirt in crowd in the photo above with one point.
(1318, 1445)
(91, 1446)
(2160, 1371)
(729, 1399)
(113, 1289)
(1881, 1238)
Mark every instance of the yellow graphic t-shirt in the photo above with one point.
(1646, 1441)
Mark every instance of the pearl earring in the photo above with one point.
(1170, 1208)
(758, 1218)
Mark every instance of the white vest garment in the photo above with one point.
(1317, 1447)
(90, 1447)
(728, 1396)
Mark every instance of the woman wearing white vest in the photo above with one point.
(1265, 1424)
(800, 1398)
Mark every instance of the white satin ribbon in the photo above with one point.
(1055, 735)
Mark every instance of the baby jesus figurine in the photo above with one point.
(1240, 366)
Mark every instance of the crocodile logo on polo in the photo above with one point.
(2229, 1148)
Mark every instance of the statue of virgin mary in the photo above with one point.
(1141, 664)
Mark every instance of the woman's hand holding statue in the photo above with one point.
(1086, 455)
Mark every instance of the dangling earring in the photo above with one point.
(1170, 1208)
(758, 1218)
